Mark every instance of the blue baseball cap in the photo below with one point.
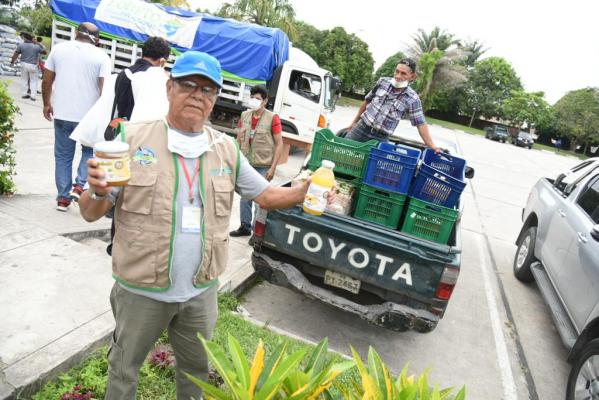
(197, 63)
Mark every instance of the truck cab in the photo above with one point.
(300, 92)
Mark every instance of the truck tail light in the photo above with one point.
(448, 280)
(322, 121)
(260, 222)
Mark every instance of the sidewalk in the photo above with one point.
(54, 273)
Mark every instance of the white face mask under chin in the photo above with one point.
(399, 84)
(186, 145)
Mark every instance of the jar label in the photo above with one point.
(116, 169)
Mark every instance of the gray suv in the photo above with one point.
(558, 247)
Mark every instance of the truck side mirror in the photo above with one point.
(595, 232)
(469, 172)
(336, 85)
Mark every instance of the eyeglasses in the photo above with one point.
(189, 87)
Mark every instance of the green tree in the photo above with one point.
(388, 67)
(490, 83)
(527, 108)
(40, 19)
(7, 132)
(474, 50)
(348, 57)
(274, 13)
(309, 39)
(577, 117)
(425, 42)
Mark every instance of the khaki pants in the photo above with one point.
(139, 323)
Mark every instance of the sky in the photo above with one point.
(552, 45)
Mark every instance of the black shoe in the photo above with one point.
(26, 96)
(241, 231)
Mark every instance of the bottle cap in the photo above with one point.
(112, 147)
(328, 164)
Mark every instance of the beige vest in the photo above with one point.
(145, 217)
(261, 151)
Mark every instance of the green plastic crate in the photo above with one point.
(348, 155)
(379, 206)
(429, 221)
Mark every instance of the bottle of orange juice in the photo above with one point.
(323, 181)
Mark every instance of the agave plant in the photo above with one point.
(277, 377)
(377, 383)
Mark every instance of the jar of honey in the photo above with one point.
(113, 158)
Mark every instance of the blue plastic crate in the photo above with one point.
(440, 179)
(391, 167)
(447, 163)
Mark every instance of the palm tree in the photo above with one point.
(426, 42)
(440, 64)
(475, 50)
(274, 13)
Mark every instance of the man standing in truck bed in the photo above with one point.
(386, 104)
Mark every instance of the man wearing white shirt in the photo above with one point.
(73, 78)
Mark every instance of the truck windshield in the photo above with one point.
(330, 97)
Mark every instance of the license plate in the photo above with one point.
(342, 281)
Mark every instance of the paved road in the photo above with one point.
(497, 336)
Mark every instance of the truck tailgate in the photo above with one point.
(363, 251)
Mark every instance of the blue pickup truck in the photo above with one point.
(386, 277)
(558, 247)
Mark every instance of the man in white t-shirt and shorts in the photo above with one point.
(77, 70)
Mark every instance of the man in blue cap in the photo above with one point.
(172, 226)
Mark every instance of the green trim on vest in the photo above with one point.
(238, 161)
(121, 132)
(203, 232)
(171, 244)
(127, 284)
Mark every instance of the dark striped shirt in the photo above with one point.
(387, 106)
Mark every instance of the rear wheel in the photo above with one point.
(525, 255)
(583, 382)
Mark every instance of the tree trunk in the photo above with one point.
(472, 118)
(586, 146)
(573, 144)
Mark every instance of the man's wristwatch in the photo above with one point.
(94, 196)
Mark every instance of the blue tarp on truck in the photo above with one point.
(247, 50)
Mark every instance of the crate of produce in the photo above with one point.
(391, 167)
(440, 179)
(379, 206)
(429, 221)
(348, 155)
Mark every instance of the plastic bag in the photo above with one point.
(90, 130)
(149, 93)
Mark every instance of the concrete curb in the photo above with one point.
(26, 377)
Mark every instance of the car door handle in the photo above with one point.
(561, 213)
(287, 104)
(582, 237)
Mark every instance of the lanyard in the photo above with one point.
(190, 180)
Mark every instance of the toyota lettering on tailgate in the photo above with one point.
(357, 257)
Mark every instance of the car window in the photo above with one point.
(589, 200)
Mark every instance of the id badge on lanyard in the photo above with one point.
(191, 221)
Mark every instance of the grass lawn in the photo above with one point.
(349, 102)
(158, 383)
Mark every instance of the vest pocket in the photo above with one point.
(218, 257)
(139, 193)
(135, 256)
(223, 196)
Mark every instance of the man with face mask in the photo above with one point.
(386, 104)
(259, 138)
(172, 221)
